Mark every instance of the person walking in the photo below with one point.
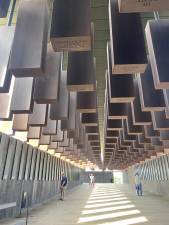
(91, 180)
(63, 184)
(138, 185)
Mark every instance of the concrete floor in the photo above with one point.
(106, 204)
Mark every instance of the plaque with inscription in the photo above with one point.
(130, 6)
(4, 6)
(157, 35)
(28, 53)
(70, 27)
(81, 72)
(127, 41)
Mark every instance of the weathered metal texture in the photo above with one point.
(59, 135)
(67, 32)
(151, 99)
(33, 164)
(139, 117)
(39, 115)
(51, 126)
(44, 139)
(46, 88)
(5, 47)
(131, 128)
(23, 161)
(160, 122)
(22, 95)
(33, 132)
(127, 41)
(157, 34)
(90, 119)
(5, 100)
(20, 122)
(59, 109)
(150, 132)
(28, 163)
(65, 142)
(87, 102)
(4, 6)
(53, 145)
(70, 123)
(7, 173)
(4, 142)
(120, 87)
(28, 53)
(16, 161)
(115, 124)
(130, 6)
(81, 72)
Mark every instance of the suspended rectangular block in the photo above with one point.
(28, 53)
(39, 115)
(92, 130)
(164, 135)
(93, 138)
(70, 123)
(157, 35)
(150, 132)
(139, 117)
(127, 41)
(120, 87)
(130, 6)
(114, 124)
(151, 99)
(112, 133)
(59, 109)
(5, 100)
(90, 119)
(53, 145)
(22, 95)
(94, 144)
(87, 102)
(131, 128)
(67, 32)
(5, 47)
(34, 132)
(59, 135)
(143, 140)
(4, 6)
(156, 141)
(81, 72)
(51, 125)
(117, 111)
(46, 88)
(44, 139)
(20, 122)
(159, 121)
(65, 142)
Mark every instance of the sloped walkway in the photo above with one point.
(106, 204)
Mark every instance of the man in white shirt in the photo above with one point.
(92, 180)
(138, 185)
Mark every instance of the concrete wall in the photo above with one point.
(100, 177)
(154, 175)
(25, 169)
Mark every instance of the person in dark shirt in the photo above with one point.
(63, 184)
